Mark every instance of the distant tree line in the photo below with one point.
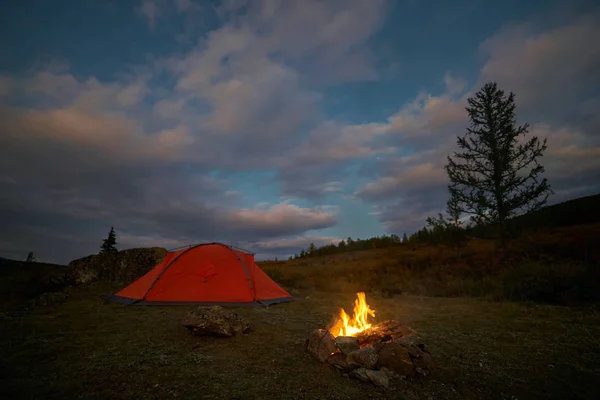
(426, 235)
(377, 242)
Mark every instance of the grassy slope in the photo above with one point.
(555, 259)
(21, 281)
(88, 349)
(580, 211)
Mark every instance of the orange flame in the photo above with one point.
(347, 326)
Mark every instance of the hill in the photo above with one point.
(21, 281)
(580, 211)
(553, 257)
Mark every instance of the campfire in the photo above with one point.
(370, 352)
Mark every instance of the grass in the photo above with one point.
(86, 348)
(555, 265)
(22, 281)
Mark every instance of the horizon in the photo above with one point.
(270, 125)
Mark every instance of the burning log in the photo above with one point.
(384, 332)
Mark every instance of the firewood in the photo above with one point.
(383, 332)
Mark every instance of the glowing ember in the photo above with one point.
(347, 326)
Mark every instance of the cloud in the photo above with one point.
(416, 177)
(454, 85)
(89, 162)
(150, 10)
(280, 219)
(141, 207)
(134, 150)
(552, 74)
(286, 246)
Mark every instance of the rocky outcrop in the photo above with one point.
(124, 266)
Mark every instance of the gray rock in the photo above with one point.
(338, 360)
(365, 357)
(347, 344)
(216, 321)
(390, 374)
(320, 344)
(378, 378)
(360, 374)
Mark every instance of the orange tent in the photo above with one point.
(212, 273)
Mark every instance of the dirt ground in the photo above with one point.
(86, 348)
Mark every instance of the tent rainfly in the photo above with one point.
(204, 274)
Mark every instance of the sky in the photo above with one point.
(270, 124)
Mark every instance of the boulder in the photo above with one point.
(216, 321)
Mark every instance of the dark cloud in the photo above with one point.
(60, 197)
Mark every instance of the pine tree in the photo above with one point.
(31, 257)
(404, 238)
(496, 176)
(108, 244)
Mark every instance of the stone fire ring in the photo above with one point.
(386, 351)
